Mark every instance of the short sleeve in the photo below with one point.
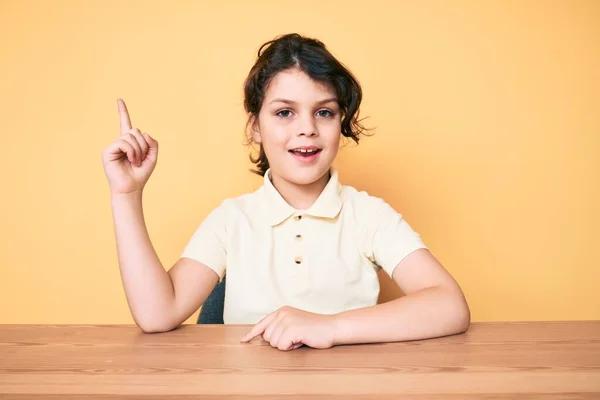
(208, 244)
(393, 238)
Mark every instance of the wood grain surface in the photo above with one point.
(513, 360)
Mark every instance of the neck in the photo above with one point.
(301, 197)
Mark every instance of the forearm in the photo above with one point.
(147, 285)
(431, 312)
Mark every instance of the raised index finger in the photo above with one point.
(124, 117)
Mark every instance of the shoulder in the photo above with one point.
(233, 207)
(363, 205)
(371, 213)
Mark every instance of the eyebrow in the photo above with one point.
(330, 99)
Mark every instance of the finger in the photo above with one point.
(259, 328)
(143, 146)
(278, 336)
(287, 342)
(152, 143)
(271, 330)
(136, 146)
(152, 153)
(141, 141)
(286, 339)
(286, 345)
(119, 148)
(124, 117)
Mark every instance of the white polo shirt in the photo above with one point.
(323, 260)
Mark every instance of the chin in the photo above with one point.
(306, 176)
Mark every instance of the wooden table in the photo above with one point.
(492, 361)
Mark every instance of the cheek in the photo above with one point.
(332, 135)
(274, 141)
(277, 134)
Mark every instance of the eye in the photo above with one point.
(328, 113)
(288, 112)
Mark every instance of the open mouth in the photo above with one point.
(306, 154)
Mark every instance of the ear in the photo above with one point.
(255, 129)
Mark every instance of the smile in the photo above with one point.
(305, 155)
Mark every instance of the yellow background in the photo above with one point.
(487, 140)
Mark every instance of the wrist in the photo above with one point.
(336, 328)
(133, 195)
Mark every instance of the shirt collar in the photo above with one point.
(327, 205)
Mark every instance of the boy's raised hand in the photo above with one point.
(129, 160)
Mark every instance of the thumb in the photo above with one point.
(152, 147)
(151, 141)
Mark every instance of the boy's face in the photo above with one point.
(299, 127)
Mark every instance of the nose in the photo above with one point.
(307, 127)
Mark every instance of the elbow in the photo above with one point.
(154, 328)
(463, 316)
(459, 310)
(464, 322)
(155, 325)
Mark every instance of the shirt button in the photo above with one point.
(298, 237)
(298, 260)
(298, 217)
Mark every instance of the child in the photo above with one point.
(303, 251)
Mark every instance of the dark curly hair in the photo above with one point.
(312, 57)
